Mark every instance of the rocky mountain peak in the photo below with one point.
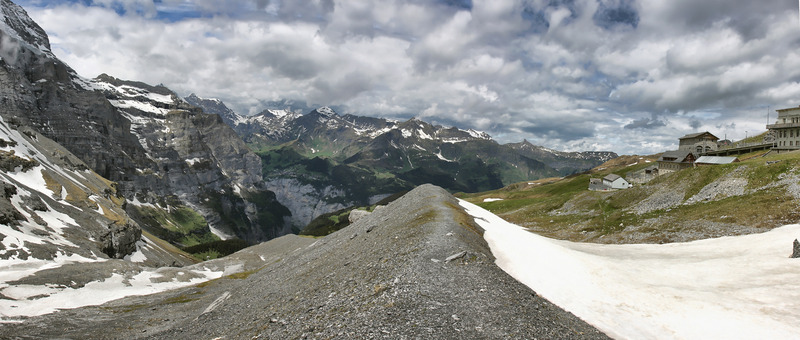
(217, 107)
(326, 112)
(17, 28)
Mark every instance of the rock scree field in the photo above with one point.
(419, 268)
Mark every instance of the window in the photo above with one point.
(699, 148)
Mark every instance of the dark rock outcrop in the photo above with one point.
(9, 215)
(120, 240)
(795, 249)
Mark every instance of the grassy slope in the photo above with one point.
(566, 209)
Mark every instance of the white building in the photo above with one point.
(786, 129)
(614, 181)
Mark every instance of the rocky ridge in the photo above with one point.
(418, 268)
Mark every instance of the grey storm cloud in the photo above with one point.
(646, 123)
(568, 74)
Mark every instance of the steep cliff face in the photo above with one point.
(163, 152)
(305, 200)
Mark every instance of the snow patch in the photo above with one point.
(327, 111)
(135, 104)
(51, 298)
(423, 135)
(492, 199)
(478, 134)
(279, 113)
(742, 287)
(439, 155)
(193, 161)
(138, 256)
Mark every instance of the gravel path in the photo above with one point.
(417, 269)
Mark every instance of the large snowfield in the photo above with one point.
(742, 287)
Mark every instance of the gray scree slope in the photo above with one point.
(386, 276)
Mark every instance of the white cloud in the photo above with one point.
(548, 71)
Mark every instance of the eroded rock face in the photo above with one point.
(120, 240)
(306, 201)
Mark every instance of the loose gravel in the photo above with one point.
(418, 269)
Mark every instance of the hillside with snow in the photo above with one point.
(738, 287)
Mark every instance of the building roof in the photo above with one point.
(695, 135)
(611, 177)
(788, 109)
(678, 155)
(716, 160)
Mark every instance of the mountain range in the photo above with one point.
(344, 160)
(104, 169)
(191, 171)
(127, 211)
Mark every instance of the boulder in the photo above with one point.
(795, 249)
(357, 214)
(120, 240)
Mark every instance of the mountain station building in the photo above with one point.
(672, 161)
(698, 142)
(786, 129)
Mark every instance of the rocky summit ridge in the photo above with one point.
(416, 269)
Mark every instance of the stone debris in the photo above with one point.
(357, 214)
(389, 289)
(455, 256)
(217, 303)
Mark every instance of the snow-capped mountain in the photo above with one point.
(565, 163)
(281, 125)
(322, 161)
(215, 106)
(186, 175)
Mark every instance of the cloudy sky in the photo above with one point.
(622, 75)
